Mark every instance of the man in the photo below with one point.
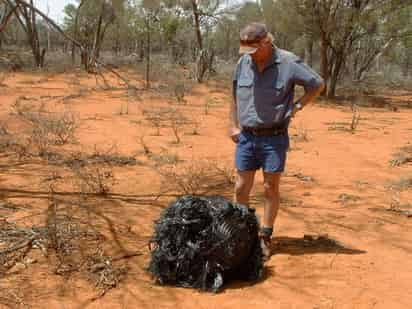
(263, 90)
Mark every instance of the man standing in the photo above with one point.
(263, 90)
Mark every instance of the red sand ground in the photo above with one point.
(373, 271)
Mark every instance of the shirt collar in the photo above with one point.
(275, 55)
(275, 59)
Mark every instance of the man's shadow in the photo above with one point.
(310, 244)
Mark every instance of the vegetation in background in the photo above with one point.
(346, 41)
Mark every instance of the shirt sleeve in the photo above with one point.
(236, 71)
(235, 78)
(234, 86)
(305, 76)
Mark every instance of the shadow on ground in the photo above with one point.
(310, 244)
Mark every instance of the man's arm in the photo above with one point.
(234, 125)
(310, 95)
(310, 80)
(234, 130)
(233, 107)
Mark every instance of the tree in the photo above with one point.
(150, 10)
(27, 18)
(5, 18)
(227, 37)
(204, 15)
(71, 21)
(401, 28)
(343, 27)
(88, 23)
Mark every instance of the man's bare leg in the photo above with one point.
(243, 185)
(272, 199)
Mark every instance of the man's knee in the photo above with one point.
(271, 189)
(243, 185)
(271, 186)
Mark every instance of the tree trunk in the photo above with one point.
(338, 61)
(407, 66)
(324, 64)
(369, 61)
(197, 24)
(85, 59)
(201, 61)
(117, 41)
(48, 38)
(309, 50)
(42, 56)
(141, 50)
(30, 27)
(148, 45)
(76, 30)
(227, 46)
(35, 39)
(6, 18)
(94, 52)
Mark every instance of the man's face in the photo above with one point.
(263, 52)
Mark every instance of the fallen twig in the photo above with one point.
(126, 256)
(403, 212)
(19, 246)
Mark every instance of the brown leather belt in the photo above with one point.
(265, 131)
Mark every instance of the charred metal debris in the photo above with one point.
(205, 242)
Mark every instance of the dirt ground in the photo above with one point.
(342, 237)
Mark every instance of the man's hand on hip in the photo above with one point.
(296, 108)
(234, 134)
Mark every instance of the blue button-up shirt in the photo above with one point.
(265, 99)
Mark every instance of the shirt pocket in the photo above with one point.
(279, 104)
(244, 89)
(272, 103)
(279, 90)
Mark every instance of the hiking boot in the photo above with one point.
(265, 245)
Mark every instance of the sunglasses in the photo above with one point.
(260, 44)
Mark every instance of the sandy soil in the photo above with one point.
(337, 183)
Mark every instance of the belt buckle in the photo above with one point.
(255, 131)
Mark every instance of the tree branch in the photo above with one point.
(55, 26)
(7, 18)
(49, 21)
